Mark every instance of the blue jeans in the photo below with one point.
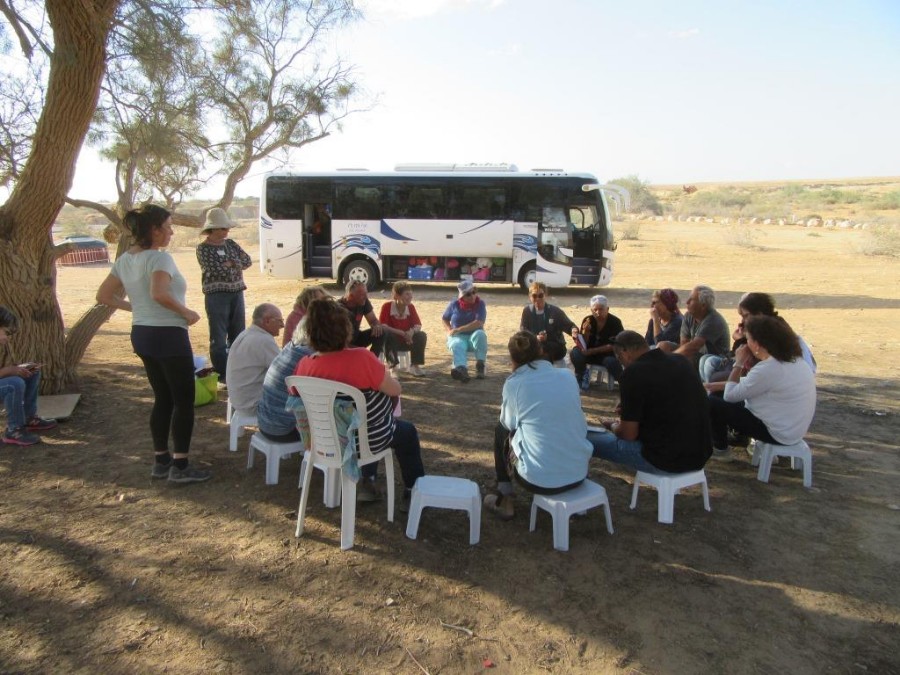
(19, 395)
(225, 312)
(710, 364)
(610, 447)
(463, 343)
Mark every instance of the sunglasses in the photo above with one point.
(537, 295)
(470, 293)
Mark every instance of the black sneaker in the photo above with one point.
(479, 370)
(188, 474)
(461, 374)
(20, 437)
(161, 470)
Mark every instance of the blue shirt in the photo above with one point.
(457, 316)
(273, 419)
(542, 404)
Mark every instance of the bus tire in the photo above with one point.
(527, 275)
(361, 270)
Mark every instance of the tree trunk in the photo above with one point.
(27, 264)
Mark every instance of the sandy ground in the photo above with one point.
(104, 570)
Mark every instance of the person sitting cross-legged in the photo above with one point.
(664, 419)
(541, 439)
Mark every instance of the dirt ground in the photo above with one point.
(104, 570)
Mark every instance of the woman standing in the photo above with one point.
(548, 322)
(222, 262)
(665, 318)
(330, 331)
(403, 329)
(156, 290)
(775, 401)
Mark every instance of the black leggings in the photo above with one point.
(172, 379)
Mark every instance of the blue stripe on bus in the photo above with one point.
(391, 233)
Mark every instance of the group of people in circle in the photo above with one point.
(685, 392)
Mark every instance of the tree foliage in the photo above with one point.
(642, 199)
(176, 93)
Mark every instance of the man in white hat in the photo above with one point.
(464, 320)
(222, 262)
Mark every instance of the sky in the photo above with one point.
(672, 91)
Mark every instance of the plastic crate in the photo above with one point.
(421, 273)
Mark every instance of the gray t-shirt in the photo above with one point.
(713, 329)
(135, 270)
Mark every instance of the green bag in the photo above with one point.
(206, 389)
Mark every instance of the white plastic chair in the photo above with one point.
(318, 399)
(445, 492)
(274, 453)
(237, 421)
(764, 455)
(667, 486)
(602, 375)
(332, 491)
(561, 507)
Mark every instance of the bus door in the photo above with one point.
(586, 239)
(317, 240)
(554, 254)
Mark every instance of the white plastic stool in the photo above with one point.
(561, 507)
(237, 420)
(668, 485)
(764, 455)
(445, 492)
(602, 375)
(273, 452)
(332, 497)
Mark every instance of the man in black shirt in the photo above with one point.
(356, 301)
(664, 418)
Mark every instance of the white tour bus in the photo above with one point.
(437, 222)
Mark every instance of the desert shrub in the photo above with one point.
(743, 237)
(720, 202)
(642, 199)
(630, 232)
(882, 240)
(679, 249)
(887, 201)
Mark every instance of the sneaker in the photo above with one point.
(479, 370)
(586, 380)
(736, 440)
(723, 454)
(461, 374)
(160, 470)
(366, 492)
(188, 474)
(20, 437)
(501, 505)
(416, 371)
(40, 424)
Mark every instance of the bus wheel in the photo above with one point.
(360, 270)
(527, 276)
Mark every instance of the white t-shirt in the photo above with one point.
(249, 358)
(135, 270)
(780, 393)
